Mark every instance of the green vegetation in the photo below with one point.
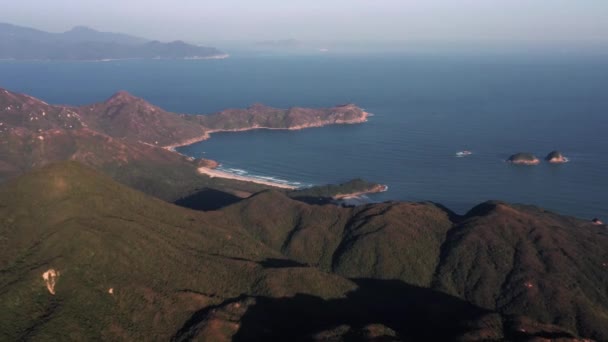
(132, 267)
(355, 186)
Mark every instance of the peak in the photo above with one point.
(123, 96)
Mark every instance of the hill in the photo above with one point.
(83, 257)
(84, 43)
(509, 258)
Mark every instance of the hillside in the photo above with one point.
(131, 140)
(509, 258)
(84, 43)
(126, 116)
(83, 257)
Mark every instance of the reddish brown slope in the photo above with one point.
(126, 116)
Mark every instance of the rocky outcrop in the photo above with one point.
(523, 159)
(556, 157)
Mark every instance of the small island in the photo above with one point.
(556, 157)
(523, 159)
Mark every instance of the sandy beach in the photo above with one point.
(222, 174)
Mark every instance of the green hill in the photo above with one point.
(509, 258)
(132, 267)
(162, 262)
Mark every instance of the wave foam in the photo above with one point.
(241, 172)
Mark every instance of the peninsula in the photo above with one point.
(134, 141)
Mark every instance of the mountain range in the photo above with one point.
(83, 43)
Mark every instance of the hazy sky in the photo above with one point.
(205, 20)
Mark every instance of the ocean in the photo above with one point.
(426, 109)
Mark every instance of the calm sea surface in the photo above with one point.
(425, 110)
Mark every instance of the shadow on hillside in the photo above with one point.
(207, 200)
(379, 310)
(412, 312)
(313, 200)
(281, 263)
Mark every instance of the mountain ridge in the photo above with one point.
(129, 266)
(84, 43)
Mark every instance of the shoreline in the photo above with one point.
(227, 175)
(207, 134)
(355, 195)
(214, 173)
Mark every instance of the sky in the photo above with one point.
(332, 20)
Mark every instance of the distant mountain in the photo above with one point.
(87, 34)
(83, 43)
(131, 140)
(85, 257)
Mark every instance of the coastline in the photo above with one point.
(207, 134)
(227, 175)
(191, 141)
(293, 128)
(213, 173)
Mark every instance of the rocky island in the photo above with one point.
(523, 159)
(556, 157)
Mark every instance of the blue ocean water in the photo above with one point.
(425, 110)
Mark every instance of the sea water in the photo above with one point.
(426, 109)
